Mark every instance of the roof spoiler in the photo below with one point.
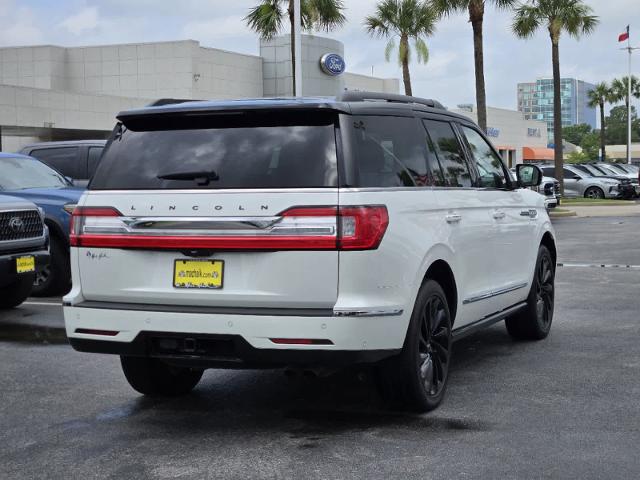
(170, 101)
(357, 96)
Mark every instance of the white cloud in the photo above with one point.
(84, 21)
(19, 25)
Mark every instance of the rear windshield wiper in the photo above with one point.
(200, 177)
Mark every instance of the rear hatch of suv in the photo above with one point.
(232, 209)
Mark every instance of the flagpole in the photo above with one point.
(629, 103)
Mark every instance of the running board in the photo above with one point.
(462, 332)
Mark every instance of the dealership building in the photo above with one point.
(73, 93)
(62, 93)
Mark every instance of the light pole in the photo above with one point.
(297, 47)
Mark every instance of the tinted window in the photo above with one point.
(442, 140)
(92, 159)
(488, 163)
(568, 174)
(19, 173)
(63, 159)
(245, 153)
(549, 171)
(388, 152)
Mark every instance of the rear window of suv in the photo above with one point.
(225, 152)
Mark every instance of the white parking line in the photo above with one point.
(51, 304)
(598, 265)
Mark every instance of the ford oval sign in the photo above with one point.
(332, 64)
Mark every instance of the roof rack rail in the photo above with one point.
(170, 101)
(358, 96)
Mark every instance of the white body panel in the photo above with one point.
(487, 253)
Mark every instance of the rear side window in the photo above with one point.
(444, 145)
(93, 158)
(63, 159)
(549, 171)
(388, 152)
(230, 152)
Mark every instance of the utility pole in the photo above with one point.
(297, 40)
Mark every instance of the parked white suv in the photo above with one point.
(304, 232)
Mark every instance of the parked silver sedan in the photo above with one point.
(579, 184)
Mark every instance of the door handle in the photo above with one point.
(499, 214)
(453, 218)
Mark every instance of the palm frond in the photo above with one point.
(422, 50)
(388, 50)
(266, 18)
(526, 21)
(325, 15)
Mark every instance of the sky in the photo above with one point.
(448, 76)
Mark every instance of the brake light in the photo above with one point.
(298, 228)
(79, 217)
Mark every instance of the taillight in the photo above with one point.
(297, 228)
(79, 219)
(361, 228)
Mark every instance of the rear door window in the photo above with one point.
(388, 152)
(261, 151)
(443, 143)
(63, 159)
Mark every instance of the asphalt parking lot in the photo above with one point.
(566, 407)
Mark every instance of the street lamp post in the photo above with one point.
(297, 42)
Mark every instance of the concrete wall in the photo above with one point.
(355, 81)
(276, 54)
(511, 128)
(220, 74)
(36, 67)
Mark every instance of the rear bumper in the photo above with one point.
(8, 273)
(233, 340)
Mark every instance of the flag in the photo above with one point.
(624, 36)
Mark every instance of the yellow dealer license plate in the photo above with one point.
(25, 264)
(198, 273)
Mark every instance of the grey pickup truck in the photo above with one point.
(24, 249)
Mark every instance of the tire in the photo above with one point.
(154, 378)
(416, 380)
(534, 322)
(55, 279)
(594, 192)
(17, 292)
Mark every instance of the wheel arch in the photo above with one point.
(441, 272)
(56, 230)
(549, 242)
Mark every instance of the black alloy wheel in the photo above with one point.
(434, 347)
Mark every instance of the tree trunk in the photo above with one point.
(476, 16)
(406, 77)
(557, 111)
(603, 138)
(293, 47)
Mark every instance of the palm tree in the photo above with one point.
(599, 97)
(620, 91)
(557, 16)
(408, 20)
(476, 18)
(267, 17)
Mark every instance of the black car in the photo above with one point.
(24, 249)
(76, 160)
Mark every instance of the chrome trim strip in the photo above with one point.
(200, 223)
(494, 293)
(374, 312)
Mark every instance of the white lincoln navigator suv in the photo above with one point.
(310, 233)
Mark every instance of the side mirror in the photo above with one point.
(529, 175)
(577, 178)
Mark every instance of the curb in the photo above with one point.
(562, 214)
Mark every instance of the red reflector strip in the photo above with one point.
(206, 242)
(300, 341)
(105, 333)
